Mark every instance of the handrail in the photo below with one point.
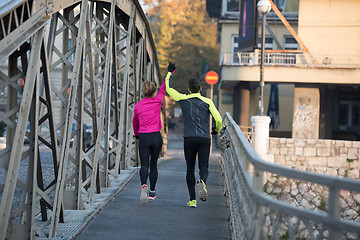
(257, 215)
(292, 58)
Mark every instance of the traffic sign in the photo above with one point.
(211, 77)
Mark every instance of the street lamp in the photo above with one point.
(263, 7)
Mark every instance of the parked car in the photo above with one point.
(88, 128)
(44, 129)
(26, 139)
(87, 134)
(2, 143)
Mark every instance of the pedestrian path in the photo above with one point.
(76, 220)
(166, 217)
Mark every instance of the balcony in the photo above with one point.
(292, 67)
(293, 59)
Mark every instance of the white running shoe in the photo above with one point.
(202, 190)
(144, 194)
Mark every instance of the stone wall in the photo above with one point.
(331, 157)
(313, 197)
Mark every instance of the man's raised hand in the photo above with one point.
(171, 67)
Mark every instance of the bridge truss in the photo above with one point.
(63, 64)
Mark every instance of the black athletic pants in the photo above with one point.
(149, 148)
(201, 147)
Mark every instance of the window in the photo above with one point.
(269, 43)
(234, 48)
(226, 98)
(349, 112)
(344, 114)
(290, 43)
(232, 6)
(237, 57)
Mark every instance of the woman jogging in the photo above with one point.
(147, 125)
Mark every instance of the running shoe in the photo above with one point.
(192, 204)
(144, 194)
(202, 190)
(152, 195)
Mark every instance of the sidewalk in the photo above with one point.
(166, 217)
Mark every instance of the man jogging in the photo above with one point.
(196, 112)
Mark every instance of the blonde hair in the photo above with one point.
(148, 88)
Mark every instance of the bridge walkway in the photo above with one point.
(166, 217)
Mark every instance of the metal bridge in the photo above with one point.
(65, 64)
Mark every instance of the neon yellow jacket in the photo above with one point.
(196, 111)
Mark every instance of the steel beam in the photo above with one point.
(105, 91)
(69, 119)
(14, 163)
(101, 80)
(26, 29)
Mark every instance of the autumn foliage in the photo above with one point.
(183, 34)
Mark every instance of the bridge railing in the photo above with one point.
(293, 59)
(257, 214)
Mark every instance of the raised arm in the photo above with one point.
(171, 91)
(161, 93)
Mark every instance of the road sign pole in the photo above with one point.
(211, 78)
(211, 97)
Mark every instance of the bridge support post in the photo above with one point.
(261, 125)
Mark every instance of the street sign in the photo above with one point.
(211, 77)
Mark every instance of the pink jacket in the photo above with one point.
(147, 113)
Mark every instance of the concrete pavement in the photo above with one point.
(166, 217)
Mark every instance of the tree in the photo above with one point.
(184, 34)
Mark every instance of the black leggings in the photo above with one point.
(196, 146)
(149, 148)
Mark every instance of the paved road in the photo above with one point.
(166, 217)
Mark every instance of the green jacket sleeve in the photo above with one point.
(172, 92)
(215, 113)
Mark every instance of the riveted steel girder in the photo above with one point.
(70, 94)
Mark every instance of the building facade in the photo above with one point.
(312, 77)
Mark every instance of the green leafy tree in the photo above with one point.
(183, 34)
